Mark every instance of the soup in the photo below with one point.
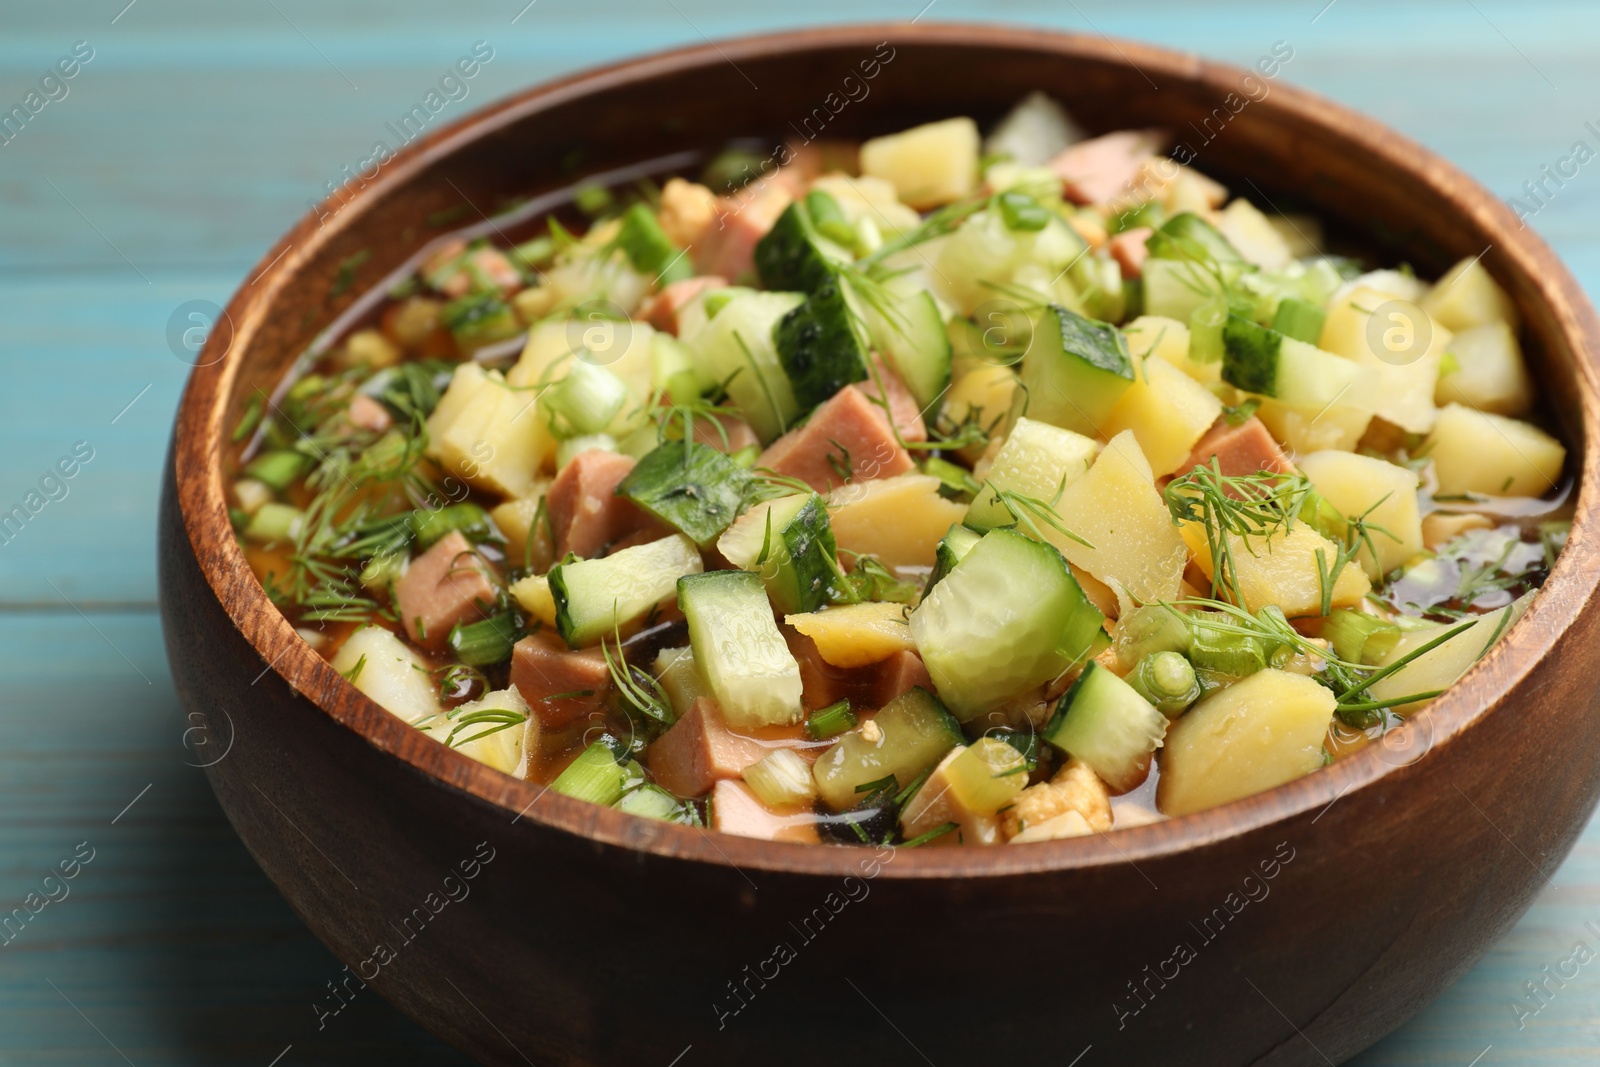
(933, 490)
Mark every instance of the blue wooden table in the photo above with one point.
(188, 137)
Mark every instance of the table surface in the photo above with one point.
(183, 148)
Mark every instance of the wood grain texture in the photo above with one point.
(192, 141)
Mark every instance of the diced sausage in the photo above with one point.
(903, 408)
(728, 246)
(701, 749)
(447, 584)
(585, 512)
(367, 414)
(559, 684)
(848, 425)
(1106, 168)
(898, 675)
(735, 433)
(1240, 450)
(1128, 249)
(661, 311)
(735, 809)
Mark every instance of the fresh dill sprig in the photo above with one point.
(1243, 507)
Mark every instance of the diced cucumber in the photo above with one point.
(911, 334)
(595, 597)
(1103, 721)
(652, 802)
(987, 775)
(1010, 616)
(1263, 361)
(955, 545)
(1173, 288)
(739, 650)
(1075, 371)
(691, 487)
(1037, 460)
(736, 347)
(1299, 319)
(673, 371)
(821, 345)
(910, 734)
(794, 255)
(1188, 237)
(648, 248)
(789, 543)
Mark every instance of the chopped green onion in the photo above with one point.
(602, 442)
(238, 519)
(279, 469)
(530, 255)
(1206, 323)
(479, 318)
(746, 457)
(273, 523)
(955, 481)
(595, 776)
(592, 199)
(1299, 319)
(1360, 638)
(828, 218)
(733, 168)
(489, 641)
(249, 420)
(588, 398)
(652, 802)
(1167, 681)
(781, 779)
(649, 249)
(1147, 630)
(830, 721)
(1222, 650)
(470, 519)
(1022, 212)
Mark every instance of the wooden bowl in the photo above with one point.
(1298, 926)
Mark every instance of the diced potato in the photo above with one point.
(900, 520)
(1117, 509)
(1440, 668)
(489, 433)
(1189, 190)
(1440, 527)
(1075, 788)
(1301, 233)
(1467, 296)
(687, 208)
(368, 348)
(680, 679)
(868, 198)
(1475, 452)
(1037, 460)
(1253, 234)
(1167, 411)
(1168, 339)
(1033, 132)
(1488, 373)
(533, 595)
(504, 748)
(854, 635)
(983, 396)
(1393, 284)
(1339, 427)
(936, 803)
(1282, 570)
(623, 348)
(1260, 732)
(1405, 372)
(928, 165)
(1384, 492)
(515, 519)
(386, 669)
(1057, 828)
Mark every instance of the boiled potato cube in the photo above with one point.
(502, 747)
(1167, 411)
(1467, 296)
(489, 432)
(1442, 666)
(1476, 452)
(515, 519)
(680, 679)
(1260, 732)
(1168, 339)
(900, 520)
(1116, 508)
(1489, 373)
(1282, 569)
(533, 595)
(1339, 427)
(625, 348)
(854, 635)
(981, 396)
(1403, 350)
(1386, 494)
(869, 198)
(1254, 235)
(927, 165)
(386, 669)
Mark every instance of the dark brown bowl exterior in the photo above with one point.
(1294, 927)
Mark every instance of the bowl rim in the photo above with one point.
(198, 445)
